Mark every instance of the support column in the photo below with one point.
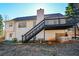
(44, 29)
(44, 34)
(75, 32)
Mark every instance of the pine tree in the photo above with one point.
(1, 25)
(70, 10)
(72, 14)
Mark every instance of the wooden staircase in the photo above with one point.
(45, 24)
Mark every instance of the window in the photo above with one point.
(62, 21)
(22, 24)
(55, 21)
(10, 24)
(10, 35)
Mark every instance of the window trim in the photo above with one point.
(10, 24)
(22, 24)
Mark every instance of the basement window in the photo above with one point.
(10, 35)
(10, 24)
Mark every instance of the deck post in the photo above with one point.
(44, 34)
(44, 29)
(75, 32)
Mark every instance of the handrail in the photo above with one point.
(28, 35)
(32, 32)
(56, 18)
(33, 27)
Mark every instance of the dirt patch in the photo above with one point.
(37, 49)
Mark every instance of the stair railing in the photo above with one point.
(31, 32)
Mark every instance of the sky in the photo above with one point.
(13, 10)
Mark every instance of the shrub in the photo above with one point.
(14, 40)
(20, 41)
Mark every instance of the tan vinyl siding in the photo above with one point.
(30, 24)
(52, 33)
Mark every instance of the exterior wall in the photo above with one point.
(16, 31)
(29, 24)
(9, 30)
(52, 33)
(21, 31)
(7, 37)
(40, 35)
(49, 34)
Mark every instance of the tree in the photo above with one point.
(1, 25)
(70, 10)
(71, 13)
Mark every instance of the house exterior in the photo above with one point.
(16, 27)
